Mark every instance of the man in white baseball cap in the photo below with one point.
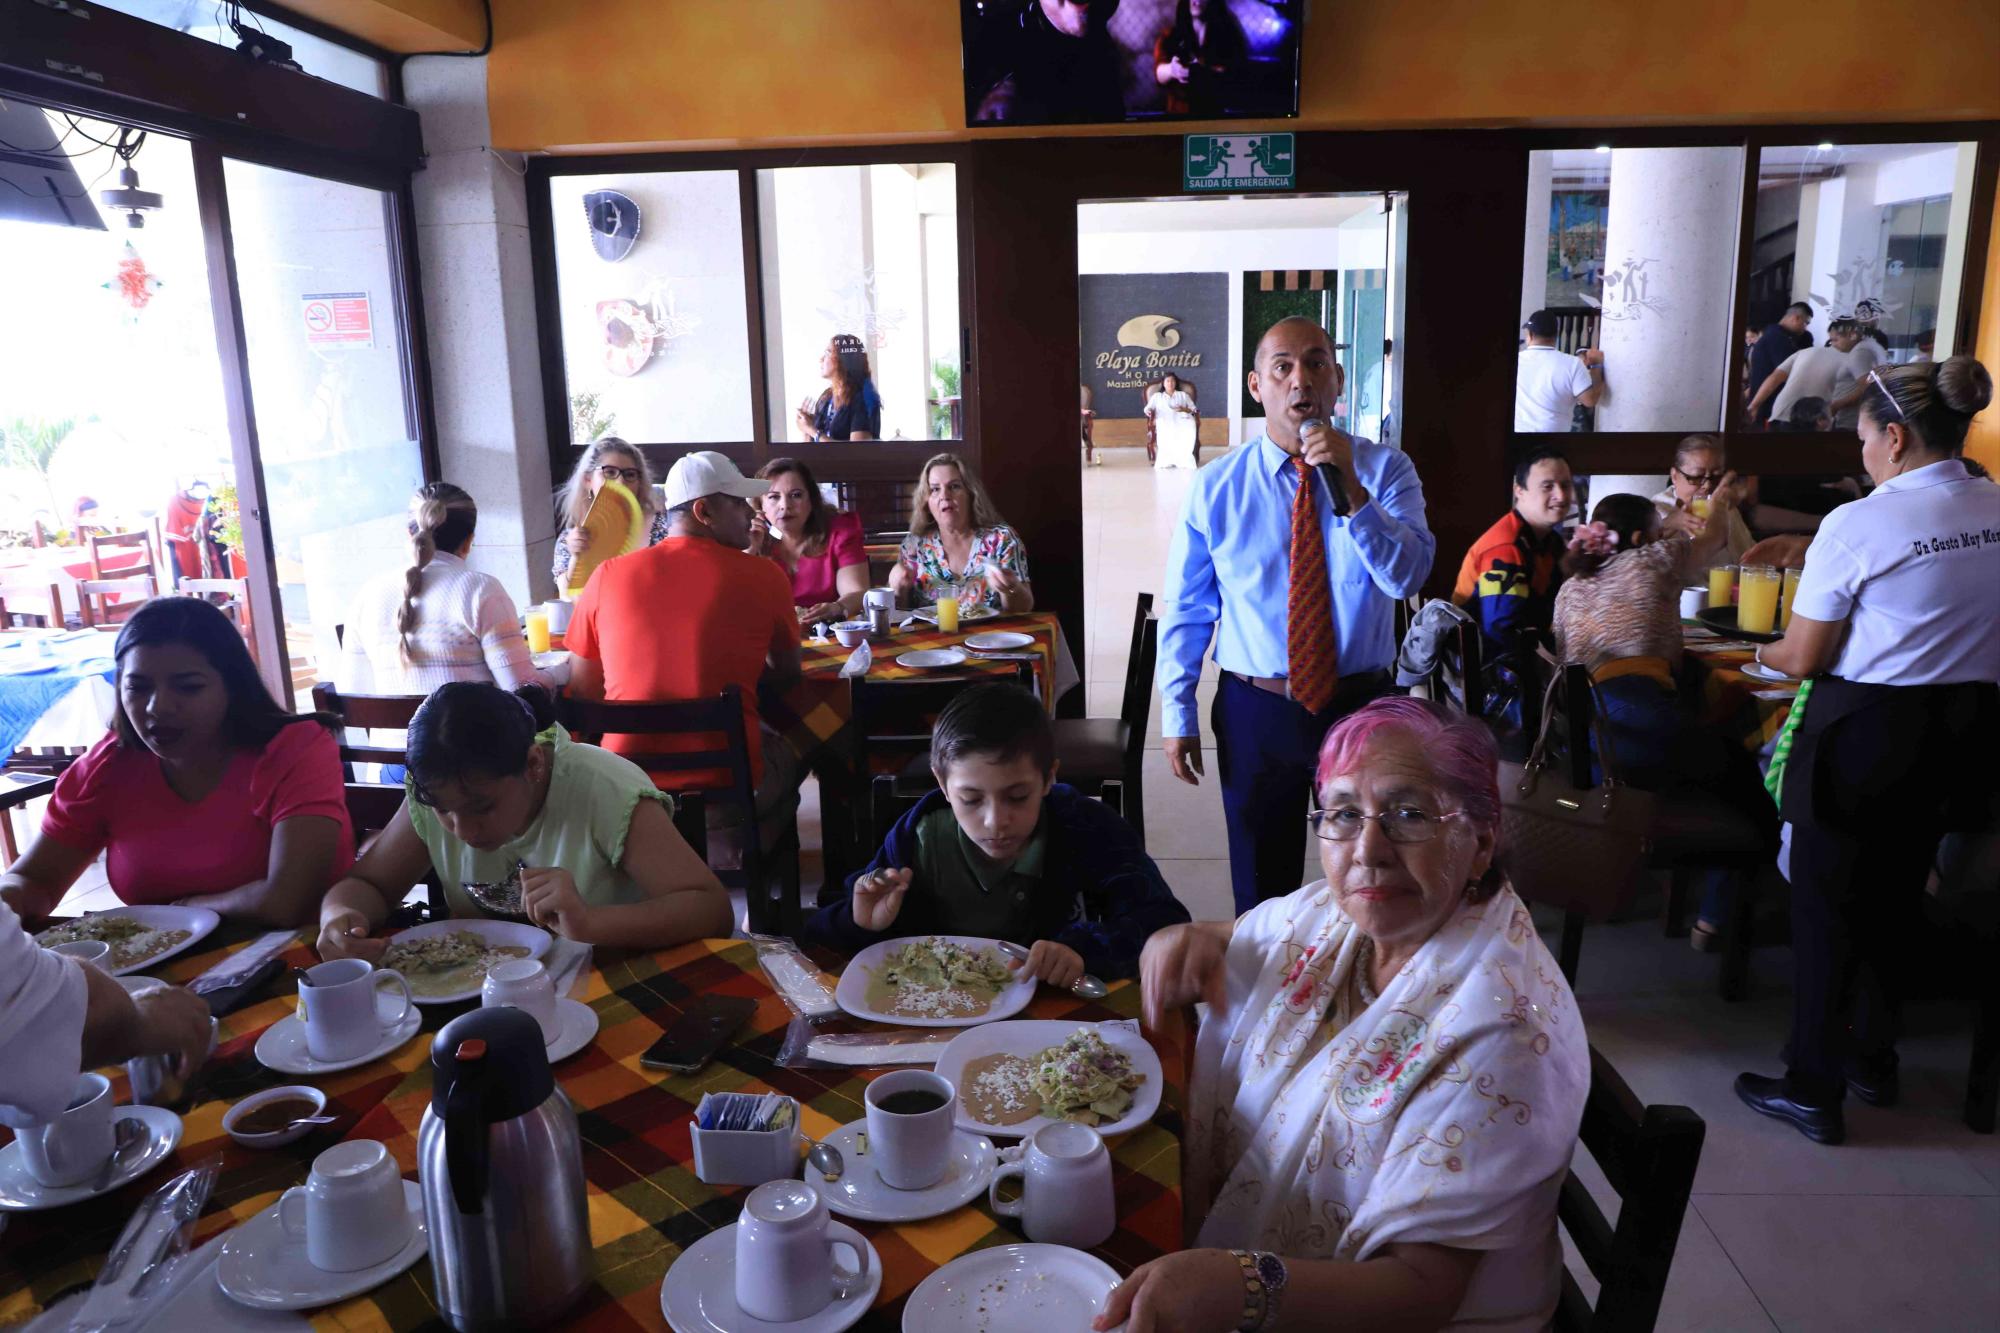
(689, 617)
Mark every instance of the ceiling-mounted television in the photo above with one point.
(1070, 62)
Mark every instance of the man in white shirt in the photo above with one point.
(1807, 381)
(59, 1018)
(1550, 382)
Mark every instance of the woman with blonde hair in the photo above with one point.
(438, 620)
(849, 408)
(959, 545)
(820, 547)
(607, 459)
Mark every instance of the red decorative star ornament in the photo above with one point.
(132, 282)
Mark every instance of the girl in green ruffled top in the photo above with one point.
(495, 786)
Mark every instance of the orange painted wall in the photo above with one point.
(577, 76)
(1984, 441)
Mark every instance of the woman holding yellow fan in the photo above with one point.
(608, 459)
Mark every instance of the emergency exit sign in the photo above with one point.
(1233, 162)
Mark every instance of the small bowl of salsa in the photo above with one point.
(260, 1120)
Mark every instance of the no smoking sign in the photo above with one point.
(337, 319)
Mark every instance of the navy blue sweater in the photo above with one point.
(1103, 896)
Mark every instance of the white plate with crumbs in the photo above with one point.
(861, 990)
(419, 954)
(139, 936)
(1012, 1289)
(994, 1097)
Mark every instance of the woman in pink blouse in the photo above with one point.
(205, 791)
(819, 546)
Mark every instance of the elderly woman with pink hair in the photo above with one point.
(1389, 1081)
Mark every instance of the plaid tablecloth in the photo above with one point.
(646, 1205)
(1747, 711)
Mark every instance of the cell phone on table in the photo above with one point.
(703, 1028)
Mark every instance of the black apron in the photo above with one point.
(1874, 755)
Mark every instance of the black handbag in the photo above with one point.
(1572, 847)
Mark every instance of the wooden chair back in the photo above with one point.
(773, 906)
(25, 605)
(1137, 706)
(107, 603)
(1649, 1154)
(388, 712)
(112, 541)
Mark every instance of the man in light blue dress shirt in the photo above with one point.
(1228, 578)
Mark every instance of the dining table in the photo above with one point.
(1743, 709)
(646, 1205)
(45, 672)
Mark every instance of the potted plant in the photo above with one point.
(228, 521)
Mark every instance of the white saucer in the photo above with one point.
(283, 1045)
(579, 1025)
(925, 658)
(699, 1295)
(264, 1267)
(860, 1193)
(22, 1193)
(1000, 640)
(1758, 671)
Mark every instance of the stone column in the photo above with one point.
(1669, 260)
(479, 308)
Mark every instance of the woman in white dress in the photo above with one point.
(1176, 425)
(1388, 1084)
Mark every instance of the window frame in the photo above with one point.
(861, 460)
(1776, 453)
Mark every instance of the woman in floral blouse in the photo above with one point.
(959, 543)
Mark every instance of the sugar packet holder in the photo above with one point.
(794, 977)
(748, 1156)
(808, 1047)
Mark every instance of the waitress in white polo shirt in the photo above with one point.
(1897, 622)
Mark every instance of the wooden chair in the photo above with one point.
(236, 605)
(370, 807)
(16, 790)
(24, 606)
(1649, 1154)
(1104, 757)
(773, 900)
(387, 712)
(111, 541)
(108, 603)
(1152, 427)
(894, 719)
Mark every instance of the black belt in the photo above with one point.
(1282, 685)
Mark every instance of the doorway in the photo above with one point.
(1184, 288)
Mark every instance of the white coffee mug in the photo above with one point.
(71, 1148)
(1066, 1196)
(785, 1241)
(524, 983)
(911, 1150)
(350, 1212)
(337, 1002)
(1693, 600)
(93, 952)
(558, 613)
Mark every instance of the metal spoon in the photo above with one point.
(1085, 987)
(130, 1131)
(826, 1160)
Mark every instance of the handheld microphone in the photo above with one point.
(1327, 471)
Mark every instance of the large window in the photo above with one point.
(869, 252)
(208, 20)
(665, 338)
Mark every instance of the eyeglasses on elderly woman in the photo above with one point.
(1405, 823)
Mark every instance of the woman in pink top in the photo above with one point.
(819, 546)
(205, 791)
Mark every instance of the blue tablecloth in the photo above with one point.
(38, 669)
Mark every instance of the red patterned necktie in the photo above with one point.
(1315, 661)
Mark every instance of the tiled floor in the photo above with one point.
(1898, 1229)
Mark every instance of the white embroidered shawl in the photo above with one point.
(1445, 1112)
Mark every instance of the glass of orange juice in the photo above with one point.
(1721, 585)
(1699, 506)
(1757, 599)
(538, 631)
(1785, 599)
(947, 614)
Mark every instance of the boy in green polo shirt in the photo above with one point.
(1003, 851)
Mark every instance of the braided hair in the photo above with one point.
(442, 517)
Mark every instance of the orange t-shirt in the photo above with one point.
(683, 620)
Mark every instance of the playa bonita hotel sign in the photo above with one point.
(1145, 351)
